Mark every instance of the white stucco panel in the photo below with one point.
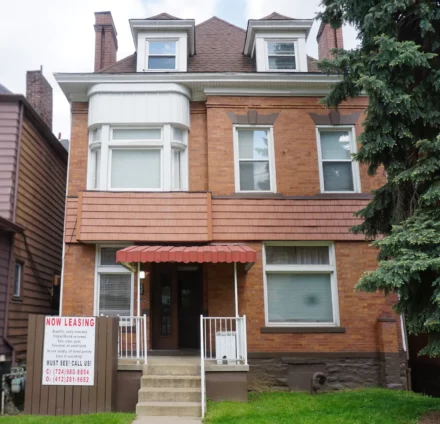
(139, 104)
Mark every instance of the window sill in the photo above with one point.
(302, 330)
(16, 299)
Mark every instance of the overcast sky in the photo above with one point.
(59, 34)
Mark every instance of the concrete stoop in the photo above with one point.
(170, 387)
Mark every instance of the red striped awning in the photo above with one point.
(218, 253)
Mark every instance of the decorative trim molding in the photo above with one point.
(334, 118)
(252, 118)
(302, 330)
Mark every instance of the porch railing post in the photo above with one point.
(202, 365)
(245, 341)
(236, 289)
(145, 338)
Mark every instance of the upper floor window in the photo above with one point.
(338, 172)
(161, 55)
(139, 159)
(300, 284)
(281, 55)
(18, 278)
(254, 157)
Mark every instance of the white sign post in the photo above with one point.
(69, 351)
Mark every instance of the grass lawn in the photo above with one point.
(367, 406)
(78, 419)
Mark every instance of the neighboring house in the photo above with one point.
(206, 179)
(33, 171)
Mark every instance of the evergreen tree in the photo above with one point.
(397, 65)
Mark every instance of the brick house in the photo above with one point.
(33, 174)
(206, 179)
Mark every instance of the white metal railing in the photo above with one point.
(202, 365)
(224, 340)
(132, 338)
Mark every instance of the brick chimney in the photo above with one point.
(39, 95)
(328, 38)
(106, 42)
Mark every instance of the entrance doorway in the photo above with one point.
(176, 305)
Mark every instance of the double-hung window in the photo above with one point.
(136, 159)
(338, 172)
(161, 55)
(281, 55)
(254, 167)
(18, 278)
(300, 284)
(113, 285)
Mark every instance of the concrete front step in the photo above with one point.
(171, 381)
(154, 394)
(177, 409)
(171, 369)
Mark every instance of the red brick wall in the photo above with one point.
(296, 157)
(79, 145)
(328, 39)
(358, 311)
(78, 283)
(198, 148)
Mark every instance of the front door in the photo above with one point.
(176, 305)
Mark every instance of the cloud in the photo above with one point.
(59, 35)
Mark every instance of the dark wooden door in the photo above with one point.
(164, 306)
(190, 298)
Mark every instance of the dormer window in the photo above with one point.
(161, 55)
(281, 55)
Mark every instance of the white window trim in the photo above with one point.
(281, 40)
(163, 40)
(164, 144)
(271, 155)
(109, 269)
(301, 269)
(353, 149)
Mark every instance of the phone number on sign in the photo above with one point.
(67, 379)
(68, 371)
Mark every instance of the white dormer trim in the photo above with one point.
(164, 27)
(144, 38)
(271, 26)
(262, 54)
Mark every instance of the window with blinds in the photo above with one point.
(114, 285)
(338, 171)
(114, 294)
(253, 156)
(300, 285)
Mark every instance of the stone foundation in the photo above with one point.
(342, 372)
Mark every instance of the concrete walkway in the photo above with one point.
(167, 420)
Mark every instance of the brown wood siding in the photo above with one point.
(161, 217)
(5, 251)
(9, 126)
(271, 219)
(40, 210)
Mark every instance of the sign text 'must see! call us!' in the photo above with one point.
(69, 351)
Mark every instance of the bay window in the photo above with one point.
(338, 171)
(138, 159)
(113, 285)
(300, 284)
(254, 167)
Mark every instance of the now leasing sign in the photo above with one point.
(69, 351)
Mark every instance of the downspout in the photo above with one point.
(11, 253)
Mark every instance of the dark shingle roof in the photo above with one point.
(4, 90)
(219, 49)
